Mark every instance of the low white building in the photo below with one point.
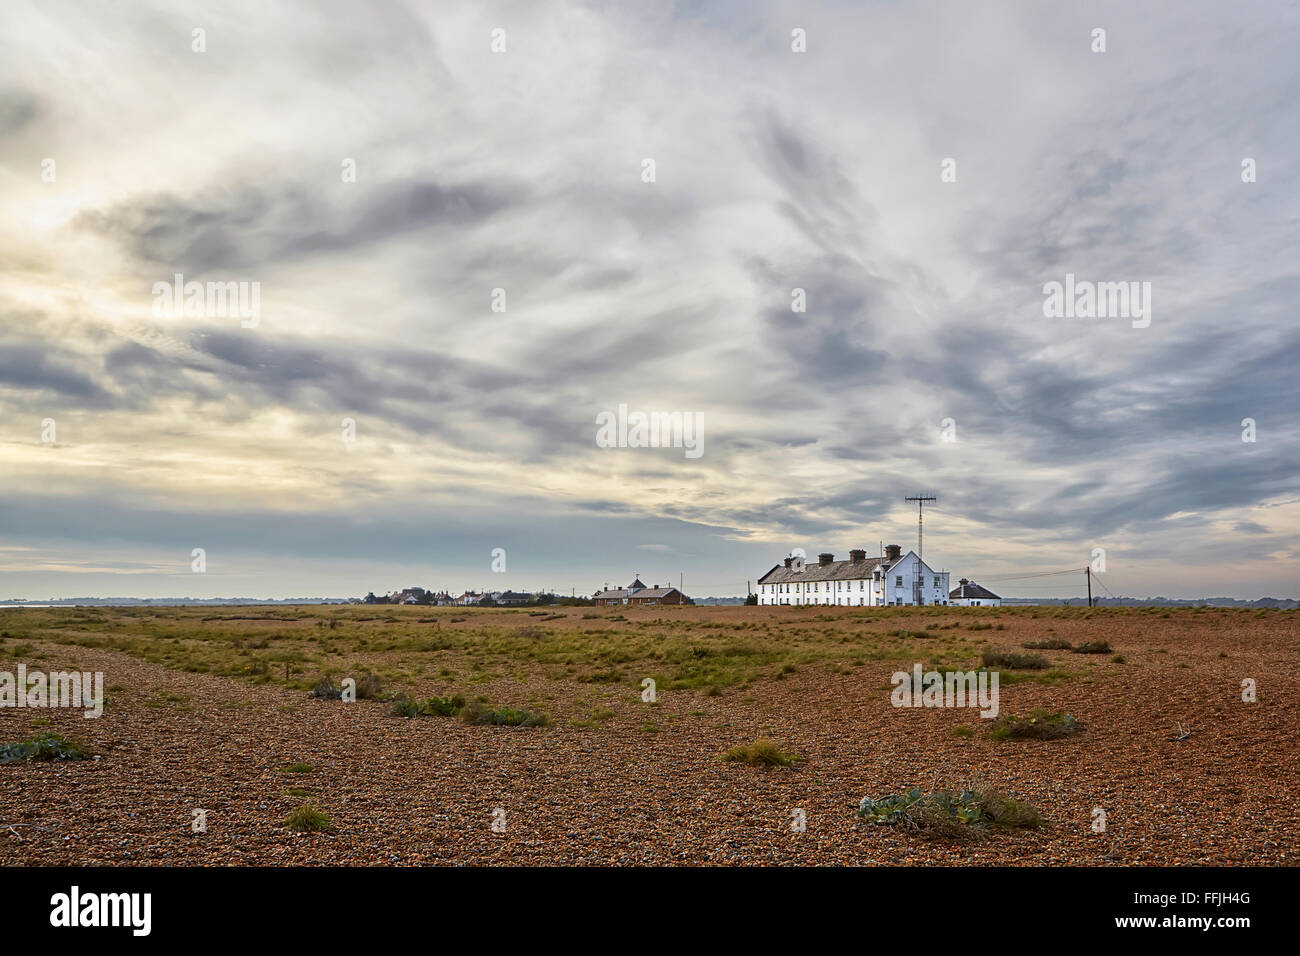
(894, 579)
(970, 594)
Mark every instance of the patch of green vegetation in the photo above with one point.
(310, 818)
(761, 753)
(961, 730)
(1036, 725)
(47, 746)
(1048, 644)
(943, 814)
(478, 713)
(298, 767)
(1092, 647)
(326, 689)
(1024, 662)
(435, 706)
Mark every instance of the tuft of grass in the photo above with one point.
(1024, 662)
(761, 753)
(1036, 725)
(43, 747)
(298, 767)
(1049, 644)
(961, 730)
(309, 818)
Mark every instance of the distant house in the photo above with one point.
(969, 594)
(513, 597)
(638, 593)
(469, 598)
(894, 579)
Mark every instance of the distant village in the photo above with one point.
(467, 598)
(894, 578)
(635, 593)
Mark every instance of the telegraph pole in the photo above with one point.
(1088, 573)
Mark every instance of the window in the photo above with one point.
(898, 581)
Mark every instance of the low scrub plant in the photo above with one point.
(326, 689)
(1092, 647)
(478, 713)
(1049, 644)
(943, 814)
(1036, 725)
(1013, 661)
(46, 746)
(429, 706)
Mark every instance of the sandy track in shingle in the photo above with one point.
(424, 790)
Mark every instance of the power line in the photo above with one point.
(1042, 574)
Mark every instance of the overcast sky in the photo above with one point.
(524, 171)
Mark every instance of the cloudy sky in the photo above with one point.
(524, 170)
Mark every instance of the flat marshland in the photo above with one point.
(534, 720)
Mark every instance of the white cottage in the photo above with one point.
(969, 594)
(895, 579)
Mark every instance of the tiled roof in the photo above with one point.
(972, 590)
(835, 571)
(653, 592)
(634, 592)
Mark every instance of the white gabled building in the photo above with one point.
(969, 594)
(895, 579)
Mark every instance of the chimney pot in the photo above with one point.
(789, 561)
(825, 558)
(857, 554)
(893, 552)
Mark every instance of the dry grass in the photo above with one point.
(761, 753)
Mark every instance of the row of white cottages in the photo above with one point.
(894, 579)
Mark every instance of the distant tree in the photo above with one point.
(752, 599)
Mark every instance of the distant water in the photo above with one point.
(26, 605)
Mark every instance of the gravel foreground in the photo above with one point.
(647, 786)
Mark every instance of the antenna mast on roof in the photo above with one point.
(920, 502)
(918, 584)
